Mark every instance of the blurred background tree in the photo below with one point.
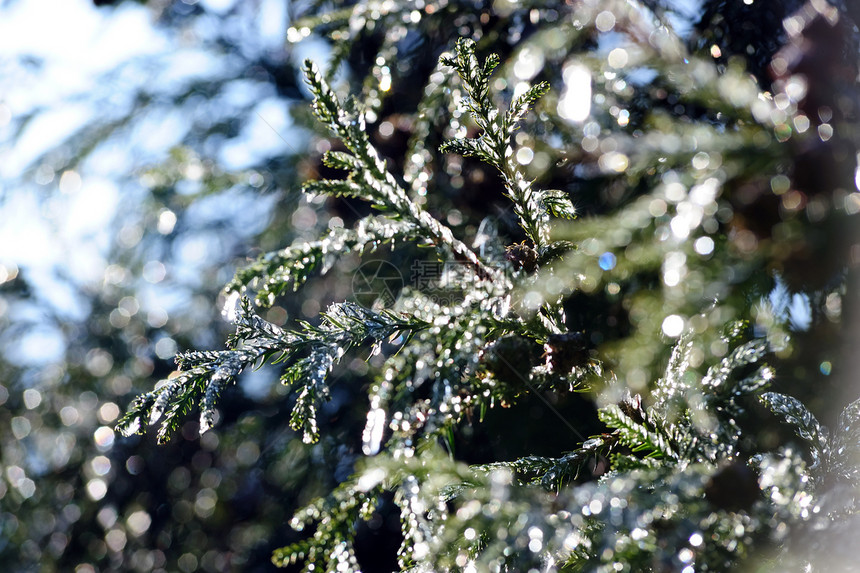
(151, 148)
(144, 150)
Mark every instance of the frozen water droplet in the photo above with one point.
(373, 431)
(371, 479)
(502, 307)
(132, 428)
(230, 310)
(154, 415)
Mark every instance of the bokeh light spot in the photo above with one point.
(605, 21)
(96, 489)
(138, 522)
(104, 438)
(607, 261)
(32, 398)
(704, 245)
(673, 326)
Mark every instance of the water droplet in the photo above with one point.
(373, 431)
(131, 429)
(673, 325)
(154, 415)
(231, 308)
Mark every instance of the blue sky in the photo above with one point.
(81, 64)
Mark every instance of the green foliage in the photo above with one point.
(369, 176)
(687, 502)
(834, 457)
(693, 419)
(554, 473)
(310, 354)
(272, 273)
(494, 146)
(676, 479)
(801, 420)
(457, 332)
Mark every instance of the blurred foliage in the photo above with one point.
(708, 155)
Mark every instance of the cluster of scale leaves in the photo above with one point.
(312, 351)
(273, 273)
(661, 505)
(834, 456)
(692, 419)
(370, 180)
(532, 206)
(448, 337)
(671, 499)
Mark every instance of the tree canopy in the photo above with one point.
(432, 285)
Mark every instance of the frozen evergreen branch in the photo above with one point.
(671, 483)
(494, 146)
(692, 420)
(845, 444)
(369, 177)
(272, 273)
(310, 353)
(835, 454)
(664, 465)
(439, 499)
(802, 421)
(646, 436)
(555, 473)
